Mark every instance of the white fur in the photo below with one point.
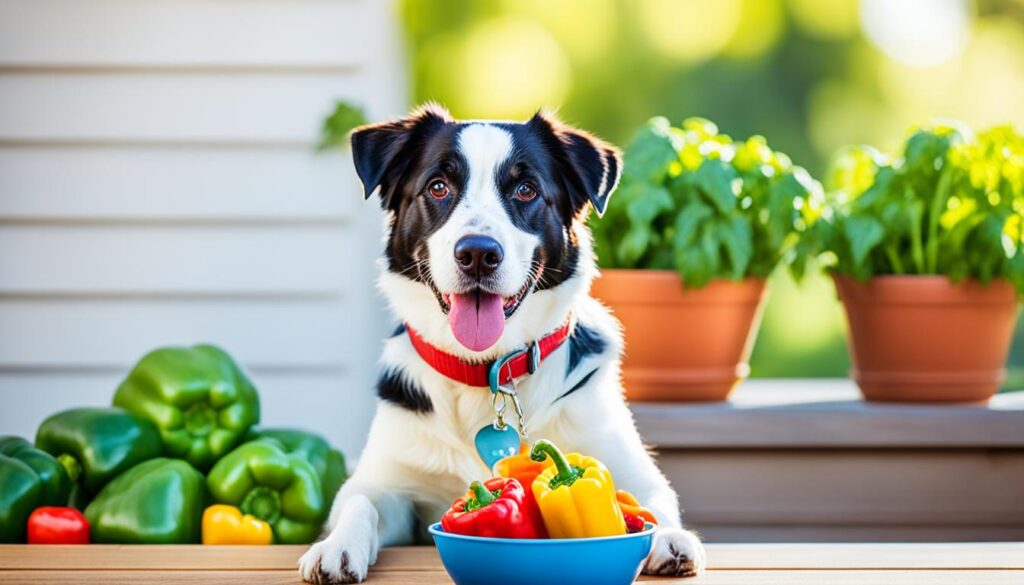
(414, 465)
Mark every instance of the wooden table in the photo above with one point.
(763, 564)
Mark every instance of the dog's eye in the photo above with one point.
(438, 189)
(525, 192)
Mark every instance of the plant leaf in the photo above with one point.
(863, 233)
(633, 245)
(650, 153)
(648, 205)
(689, 220)
(715, 180)
(738, 243)
(345, 118)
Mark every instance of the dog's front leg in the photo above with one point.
(677, 552)
(363, 517)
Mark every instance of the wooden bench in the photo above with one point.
(809, 461)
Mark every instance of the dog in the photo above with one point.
(486, 252)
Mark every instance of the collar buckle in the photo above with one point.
(532, 357)
(494, 374)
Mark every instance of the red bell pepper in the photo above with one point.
(494, 509)
(55, 525)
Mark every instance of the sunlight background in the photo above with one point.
(810, 75)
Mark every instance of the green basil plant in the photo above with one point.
(695, 201)
(951, 203)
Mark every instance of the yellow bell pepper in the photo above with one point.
(576, 496)
(223, 524)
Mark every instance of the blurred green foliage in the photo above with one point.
(695, 201)
(951, 203)
(809, 75)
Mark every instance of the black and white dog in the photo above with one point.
(487, 251)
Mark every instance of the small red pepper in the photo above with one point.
(494, 509)
(635, 515)
(55, 525)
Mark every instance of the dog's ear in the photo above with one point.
(594, 165)
(381, 151)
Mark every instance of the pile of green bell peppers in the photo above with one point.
(137, 468)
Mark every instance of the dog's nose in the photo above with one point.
(478, 256)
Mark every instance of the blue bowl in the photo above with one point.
(608, 560)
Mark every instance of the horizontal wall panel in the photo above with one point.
(262, 108)
(333, 405)
(190, 32)
(110, 334)
(175, 183)
(938, 488)
(170, 259)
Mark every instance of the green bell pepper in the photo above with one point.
(329, 463)
(29, 478)
(100, 442)
(197, 396)
(279, 488)
(160, 501)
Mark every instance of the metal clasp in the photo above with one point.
(532, 352)
(494, 374)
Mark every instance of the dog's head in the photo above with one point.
(486, 242)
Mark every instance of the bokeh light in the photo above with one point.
(585, 34)
(761, 24)
(689, 30)
(502, 68)
(918, 33)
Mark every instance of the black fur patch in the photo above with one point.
(395, 388)
(583, 342)
(583, 382)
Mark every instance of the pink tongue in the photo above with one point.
(477, 319)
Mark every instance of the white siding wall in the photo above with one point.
(158, 185)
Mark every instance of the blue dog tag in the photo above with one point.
(493, 443)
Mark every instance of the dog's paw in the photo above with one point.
(676, 553)
(348, 551)
(333, 561)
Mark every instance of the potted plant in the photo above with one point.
(696, 225)
(925, 251)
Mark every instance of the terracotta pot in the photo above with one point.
(925, 339)
(682, 344)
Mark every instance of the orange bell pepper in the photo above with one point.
(523, 469)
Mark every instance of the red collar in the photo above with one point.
(485, 374)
